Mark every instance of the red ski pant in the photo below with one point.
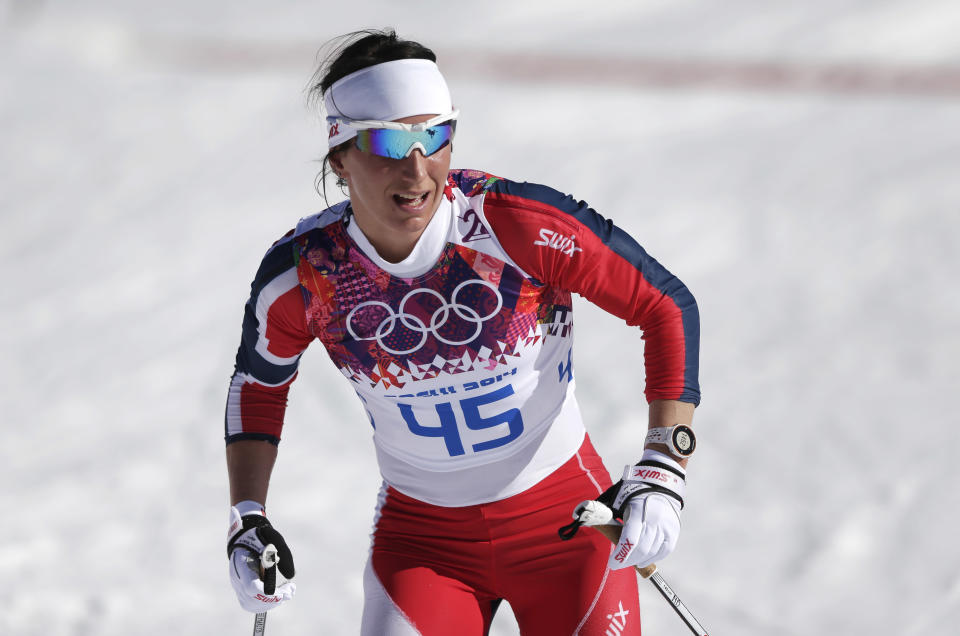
(437, 571)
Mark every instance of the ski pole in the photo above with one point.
(268, 563)
(650, 573)
(598, 515)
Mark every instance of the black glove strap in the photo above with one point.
(645, 489)
(249, 521)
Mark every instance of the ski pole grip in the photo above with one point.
(613, 533)
(268, 563)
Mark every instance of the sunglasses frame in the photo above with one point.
(366, 124)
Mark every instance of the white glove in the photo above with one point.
(649, 501)
(249, 534)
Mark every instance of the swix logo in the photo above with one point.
(334, 130)
(268, 599)
(625, 549)
(566, 244)
(618, 621)
(650, 475)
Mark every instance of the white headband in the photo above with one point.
(385, 92)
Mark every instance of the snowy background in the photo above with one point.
(796, 164)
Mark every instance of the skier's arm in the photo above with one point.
(275, 335)
(563, 242)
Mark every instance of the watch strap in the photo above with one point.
(667, 435)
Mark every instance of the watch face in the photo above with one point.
(684, 440)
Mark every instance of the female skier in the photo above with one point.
(444, 298)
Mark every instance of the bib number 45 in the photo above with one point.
(449, 431)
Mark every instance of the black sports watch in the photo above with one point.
(679, 439)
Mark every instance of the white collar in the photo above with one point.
(425, 253)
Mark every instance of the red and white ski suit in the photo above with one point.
(462, 357)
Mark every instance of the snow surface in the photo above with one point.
(153, 151)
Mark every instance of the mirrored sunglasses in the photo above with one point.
(396, 140)
(397, 144)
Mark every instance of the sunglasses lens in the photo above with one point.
(397, 144)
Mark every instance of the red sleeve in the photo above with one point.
(564, 243)
(274, 336)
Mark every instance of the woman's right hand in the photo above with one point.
(250, 534)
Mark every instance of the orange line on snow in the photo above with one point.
(699, 73)
(208, 55)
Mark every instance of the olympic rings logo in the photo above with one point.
(438, 319)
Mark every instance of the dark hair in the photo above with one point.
(350, 53)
